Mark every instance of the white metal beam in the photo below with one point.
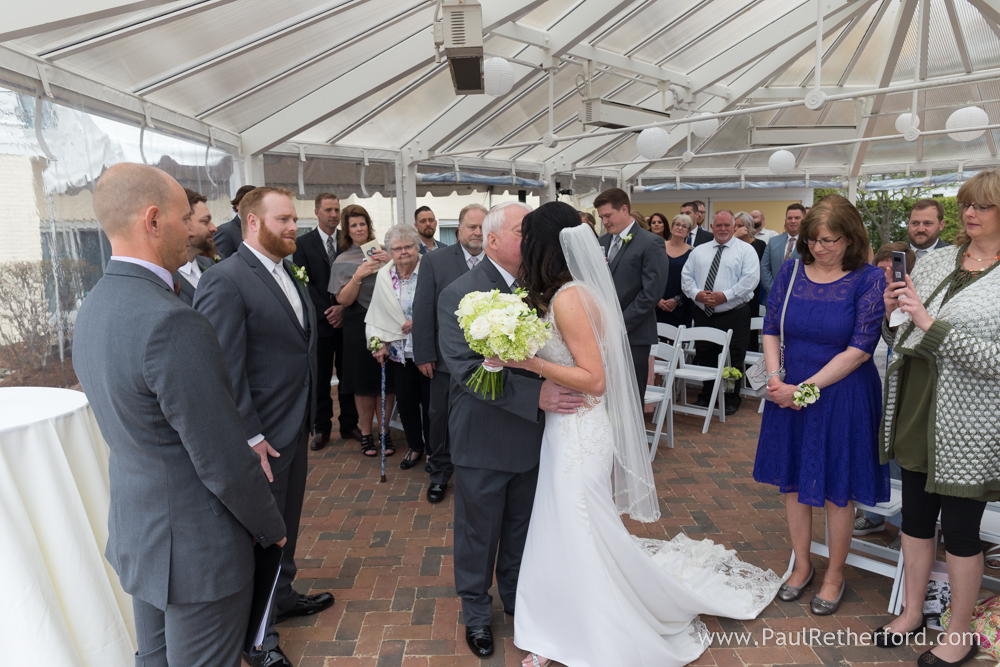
(798, 93)
(869, 33)
(956, 29)
(32, 18)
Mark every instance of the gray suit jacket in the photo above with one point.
(188, 497)
(271, 358)
(640, 273)
(438, 269)
(187, 289)
(228, 237)
(774, 257)
(503, 434)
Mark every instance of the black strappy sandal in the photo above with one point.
(368, 447)
(389, 448)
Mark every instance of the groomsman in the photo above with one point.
(200, 225)
(230, 234)
(188, 498)
(698, 235)
(781, 248)
(315, 252)
(437, 271)
(425, 222)
(639, 266)
(923, 229)
(266, 325)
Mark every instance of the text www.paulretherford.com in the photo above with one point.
(817, 637)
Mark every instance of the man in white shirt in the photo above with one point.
(720, 277)
(425, 222)
(202, 245)
(923, 230)
(763, 233)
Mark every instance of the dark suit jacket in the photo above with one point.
(188, 497)
(187, 289)
(438, 269)
(271, 358)
(640, 272)
(437, 244)
(310, 253)
(503, 434)
(228, 237)
(701, 236)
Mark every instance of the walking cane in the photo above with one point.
(383, 423)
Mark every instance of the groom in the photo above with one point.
(495, 444)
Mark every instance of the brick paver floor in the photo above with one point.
(386, 554)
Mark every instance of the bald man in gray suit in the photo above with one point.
(188, 497)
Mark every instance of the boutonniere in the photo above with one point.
(626, 239)
(300, 274)
(216, 259)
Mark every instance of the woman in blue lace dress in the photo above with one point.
(824, 454)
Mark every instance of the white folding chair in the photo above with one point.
(756, 326)
(688, 372)
(667, 331)
(665, 364)
(660, 367)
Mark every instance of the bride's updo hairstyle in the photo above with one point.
(543, 265)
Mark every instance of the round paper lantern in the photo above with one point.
(705, 128)
(905, 121)
(964, 118)
(498, 77)
(652, 143)
(781, 162)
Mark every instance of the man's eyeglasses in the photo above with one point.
(826, 243)
(408, 248)
(978, 208)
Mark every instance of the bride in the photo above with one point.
(589, 594)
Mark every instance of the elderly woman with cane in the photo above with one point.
(390, 319)
(942, 397)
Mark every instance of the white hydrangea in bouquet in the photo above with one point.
(499, 325)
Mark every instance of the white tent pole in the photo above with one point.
(819, 45)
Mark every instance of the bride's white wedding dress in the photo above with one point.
(590, 594)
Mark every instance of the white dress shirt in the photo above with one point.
(155, 268)
(737, 276)
(509, 279)
(191, 272)
(765, 234)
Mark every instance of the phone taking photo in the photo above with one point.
(898, 266)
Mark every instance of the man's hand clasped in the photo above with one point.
(264, 450)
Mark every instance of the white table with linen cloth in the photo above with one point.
(60, 601)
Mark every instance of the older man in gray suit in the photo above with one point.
(188, 497)
(267, 326)
(639, 268)
(495, 443)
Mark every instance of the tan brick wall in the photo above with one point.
(20, 239)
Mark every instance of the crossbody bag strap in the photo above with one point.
(784, 307)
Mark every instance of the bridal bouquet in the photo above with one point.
(499, 325)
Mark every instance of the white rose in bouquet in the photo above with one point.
(480, 328)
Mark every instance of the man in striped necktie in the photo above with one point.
(720, 276)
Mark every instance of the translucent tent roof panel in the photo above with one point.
(637, 29)
(801, 71)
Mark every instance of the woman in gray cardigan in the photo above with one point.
(942, 398)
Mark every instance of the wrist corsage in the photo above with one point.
(806, 394)
(374, 344)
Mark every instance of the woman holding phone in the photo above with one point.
(942, 397)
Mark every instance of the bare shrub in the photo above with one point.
(25, 331)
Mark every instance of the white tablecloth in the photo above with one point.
(60, 601)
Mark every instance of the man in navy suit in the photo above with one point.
(229, 236)
(698, 234)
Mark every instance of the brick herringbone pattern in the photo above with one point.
(386, 554)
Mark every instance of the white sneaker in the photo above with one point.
(864, 526)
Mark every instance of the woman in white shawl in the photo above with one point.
(390, 319)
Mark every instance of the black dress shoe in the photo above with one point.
(702, 402)
(319, 441)
(731, 408)
(435, 494)
(411, 459)
(427, 466)
(480, 640)
(353, 434)
(272, 658)
(306, 605)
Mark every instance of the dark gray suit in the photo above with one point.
(438, 269)
(272, 362)
(639, 271)
(187, 289)
(188, 496)
(495, 446)
(700, 236)
(228, 237)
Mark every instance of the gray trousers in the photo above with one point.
(288, 488)
(204, 634)
(438, 451)
(492, 509)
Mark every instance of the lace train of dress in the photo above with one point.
(589, 593)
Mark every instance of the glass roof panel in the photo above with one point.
(637, 29)
(546, 15)
(868, 66)
(837, 61)
(982, 43)
(800, 72)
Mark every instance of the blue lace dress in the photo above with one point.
(829, 450)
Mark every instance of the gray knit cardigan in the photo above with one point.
(963, 351)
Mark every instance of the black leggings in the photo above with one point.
(960, 517)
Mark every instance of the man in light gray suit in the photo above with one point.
(495, 443)
(267, 327)
(781, 248)
(439, 269)
(188, 498)
(639, 268)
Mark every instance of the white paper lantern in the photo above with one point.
(781, 162)
(705, 128)
(964, 118)
(652, 143)
(498, 77)
(905, 121)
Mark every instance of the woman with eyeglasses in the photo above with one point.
(824, 454)
(390, 319)
(942, 398)
(675, 308)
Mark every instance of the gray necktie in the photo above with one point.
(712, 271)
(331, 252)
(616, 245)
(514, 285)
